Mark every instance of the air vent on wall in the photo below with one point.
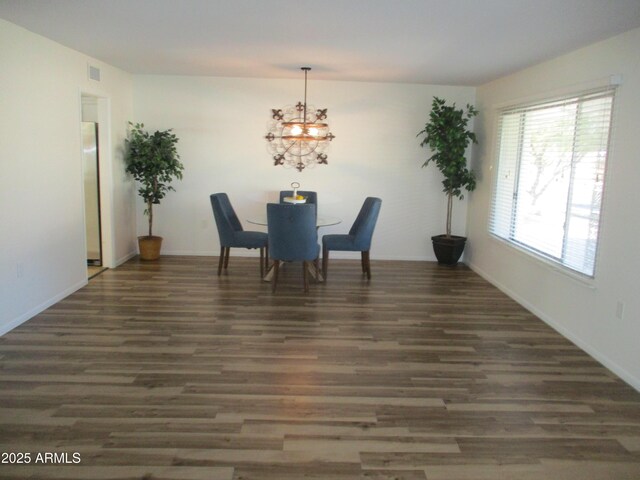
(94, 73)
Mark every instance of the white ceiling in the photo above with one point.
(452, 42)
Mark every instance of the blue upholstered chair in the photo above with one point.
(312, 197)
(293, 237)
(232, 234)
(358, 239)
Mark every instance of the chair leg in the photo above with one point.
(305, 278)
(226, 258)
(274, 280)
(363, 263)
(317, 269)
(221, 260)
(261, 262)
(266, 258)
(325, 262)
(367, 263)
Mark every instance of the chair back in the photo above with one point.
(226, 219)
(292, 232)
(312, 197)
(365, 223)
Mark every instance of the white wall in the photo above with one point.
(42, 247)
(221, 123)
(585, 312)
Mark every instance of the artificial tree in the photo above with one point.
(447, 136)
(153, 160)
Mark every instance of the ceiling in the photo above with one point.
(451, 42)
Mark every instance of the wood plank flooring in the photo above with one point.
(164, 370)
(93, 271)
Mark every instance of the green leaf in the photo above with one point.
(153, 161)
(447, 137)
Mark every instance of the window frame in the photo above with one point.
(522, 108)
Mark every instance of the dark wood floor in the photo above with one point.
(165, 371)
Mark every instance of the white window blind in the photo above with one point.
(550, 177)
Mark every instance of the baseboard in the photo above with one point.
(594, 352)
(7, 327)
(126, 258)
(337, 254)
(236, 252)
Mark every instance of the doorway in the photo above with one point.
(96, 178)
(91, 164)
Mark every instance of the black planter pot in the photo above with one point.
(448, 249)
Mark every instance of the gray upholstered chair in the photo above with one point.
(358, 239)
(293, 237)
(233, 235)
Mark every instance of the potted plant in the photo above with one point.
(154, 162)
(447, 136)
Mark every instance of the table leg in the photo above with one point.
(315, 272)
(310, 268)
(269, 276)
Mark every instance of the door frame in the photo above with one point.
(96, 129)
(105, 175)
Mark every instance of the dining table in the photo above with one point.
(321, 221)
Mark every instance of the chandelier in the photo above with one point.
(298, 136)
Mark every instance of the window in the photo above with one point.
(550, 177)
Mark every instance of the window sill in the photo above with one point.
(551, 266)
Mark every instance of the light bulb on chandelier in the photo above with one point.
(298, 136)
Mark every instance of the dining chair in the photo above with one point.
(293, 237)
(312, 197)
(358, 239)
(233, 235)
